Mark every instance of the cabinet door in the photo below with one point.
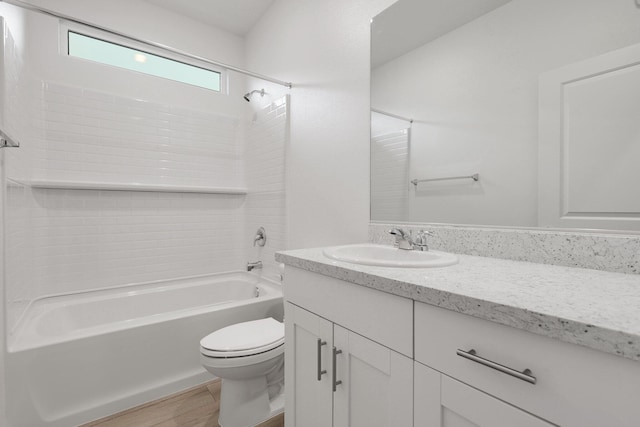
(426, 397)
(376, 386)
(444, 402)
(307, 355)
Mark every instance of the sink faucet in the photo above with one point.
(420, 242)
(404, 239)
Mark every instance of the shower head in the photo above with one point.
(247, 96)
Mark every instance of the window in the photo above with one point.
(93, 49)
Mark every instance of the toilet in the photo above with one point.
(249, 358)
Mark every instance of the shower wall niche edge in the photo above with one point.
(116, 186)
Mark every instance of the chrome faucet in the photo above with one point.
(403, 239)
(420, 242)
(260, 238)
(254, 265)
(406, 241)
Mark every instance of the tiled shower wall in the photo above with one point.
(390, 175)
(93, 239)
(88, 135)
(89, 239)
(17, 92)
(266, 138)
(18, 250)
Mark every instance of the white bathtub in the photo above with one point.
(76, 358)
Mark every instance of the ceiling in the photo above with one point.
(235, 16)
(408, 24)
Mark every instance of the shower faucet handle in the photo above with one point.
(260, 238)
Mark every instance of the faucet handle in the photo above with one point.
(420, 241)
(261, 237)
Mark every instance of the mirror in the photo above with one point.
(537, 99)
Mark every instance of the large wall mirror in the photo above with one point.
(521, 113)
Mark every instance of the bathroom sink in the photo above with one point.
(388, 256)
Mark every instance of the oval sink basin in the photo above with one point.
(388, 256)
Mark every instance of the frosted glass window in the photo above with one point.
(93, 49)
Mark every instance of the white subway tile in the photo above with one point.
(81, 240)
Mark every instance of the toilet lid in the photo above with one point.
(262, 335)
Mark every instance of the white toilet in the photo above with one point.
(249, 358)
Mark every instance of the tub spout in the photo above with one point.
(252, 265)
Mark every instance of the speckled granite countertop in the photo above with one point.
(595, 309)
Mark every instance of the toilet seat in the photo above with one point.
(244, 339)
(241, 361)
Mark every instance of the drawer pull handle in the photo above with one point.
(336, 383)
(524, 375)
(320, 370)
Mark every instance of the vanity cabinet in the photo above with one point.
(477, 360)
(342, 379)
(399, 362)
(308, 347)
(334, 375)
(441, 401)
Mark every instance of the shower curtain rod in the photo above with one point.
(49, 12)
(395, 116)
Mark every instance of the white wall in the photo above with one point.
(12, 112)
(48, 63)
(474, 95)
(3, 346)
(149, 22)
(323, 48)
(266, 140)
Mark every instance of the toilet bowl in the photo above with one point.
(249, 358)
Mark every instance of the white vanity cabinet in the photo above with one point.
(399, 362)
(343, 372)
(574, 386)
(441, 401)
(308, 354)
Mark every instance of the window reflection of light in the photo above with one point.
(140, 58)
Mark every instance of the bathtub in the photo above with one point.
(76, 358)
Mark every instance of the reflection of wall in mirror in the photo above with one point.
(390, 149)
(474, 95)
(589, 135)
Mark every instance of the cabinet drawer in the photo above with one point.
(574, 386)
(382, 317)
